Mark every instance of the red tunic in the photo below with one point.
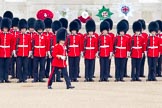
(59, 50)
(105, 45)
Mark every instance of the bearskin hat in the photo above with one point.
(6, 23)
(64, 22)
(104, 26)
(23, 24)
(74, 26)
(61, 34)
(15, 22)
(153, 26)
(90, 25)
(110, 22)
(79, 22)
(47, 22)
(8, 14)
(137, 26)
(31, 22)
(39, 24)
(143, 23)
(160, 24)
(56, 25)
(122, 26)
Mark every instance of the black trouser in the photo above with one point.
(30, 67)
(39, 75)
(142, 66)
(152, 67)
(104, 68)
(13, 69)
(119, 65)
(79, 67)
(158, 68)
(64, 72)
(73, 67)
(136, 62)
(4, 68)
(22, 68)
(125, 68)
(109, 67)
(47, 69)
(89, 68)
(94, 67)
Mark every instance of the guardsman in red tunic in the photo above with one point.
(59, 59)
(15, 32)
(105, 47)
(6, 48)
(56, 25)
(129, 38)
(22, 51)
(48, 33)
(90, 50)
(153, 50)
(82, 38)
(31, 33)
(40, 46)
(159, 34)
(145, 36)
(137, 50)
(74, 48)
(121, 50)
(112, 36)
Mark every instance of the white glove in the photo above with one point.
(81, 54)
(145, 53)
(49, 54)
(142, 55)
(128, 54)
(111, 54)
(63, 57)
(159, 54)
(30, 53)
(14, 53)
(97, 54)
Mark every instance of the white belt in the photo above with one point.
(89, 48)
(4, 46)
(39, 46)
(121, 47)
(52, 46)
(153, 47)
(22, 45)
(73, 46)
(104, 46)
(136, 47)
(160, 44)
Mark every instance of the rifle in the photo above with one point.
(132, 44)
(85, 44)
(17, 43)
(115, 43)
(51, 44)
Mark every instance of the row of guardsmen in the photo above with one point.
(32, 46)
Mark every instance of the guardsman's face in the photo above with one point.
(48, 29)
(62, 42)
(90, 33)
(104, 32)
(23, 30)
(121, 33)
(40, 31)
(5, 29)
(15, 28)
(31, 29)
(153, 33)
(159, 31)
(73, 32)
(137, 33)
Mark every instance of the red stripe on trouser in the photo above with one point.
(50, 77)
